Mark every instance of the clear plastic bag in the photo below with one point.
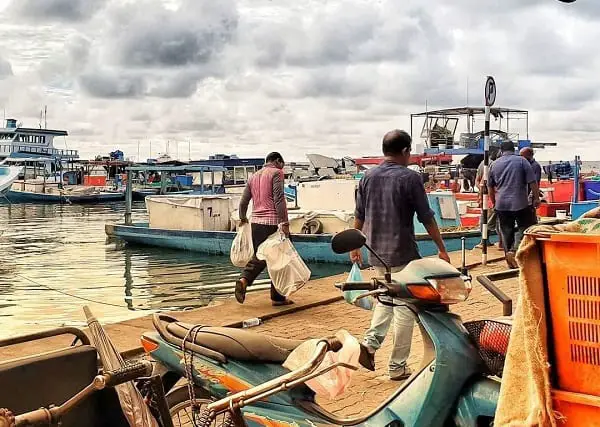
(350, 296)
(333, 383)
(241, 248)
(286, 269)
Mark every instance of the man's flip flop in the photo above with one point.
(282, 303)
(240, 291)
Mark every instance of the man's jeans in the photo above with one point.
(403, 322)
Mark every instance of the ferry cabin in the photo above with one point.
(31, 142)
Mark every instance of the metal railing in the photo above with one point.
(487, 281)
(9, 148)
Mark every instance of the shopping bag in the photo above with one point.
(333, 383)
(286, 269)
(350, 296)
(241, 248)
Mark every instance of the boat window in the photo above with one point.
(228, 176)
(240, 175)
(218, 178)
(249, 172)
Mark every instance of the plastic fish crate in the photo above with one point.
(572, 263)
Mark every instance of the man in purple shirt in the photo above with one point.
(511, 178)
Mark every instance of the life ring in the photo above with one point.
(312, 226)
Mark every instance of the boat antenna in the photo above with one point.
(45, 117)
(40, 122)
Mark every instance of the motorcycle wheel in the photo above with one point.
(180, 408)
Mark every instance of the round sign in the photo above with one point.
(490, 91)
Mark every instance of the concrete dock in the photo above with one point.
(318, 311)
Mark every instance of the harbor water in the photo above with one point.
(56, 258)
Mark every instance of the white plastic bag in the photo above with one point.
(333, 383)
(241, 248)
(286, 269)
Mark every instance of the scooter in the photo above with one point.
(235, 376)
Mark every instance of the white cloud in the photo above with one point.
(333, 76)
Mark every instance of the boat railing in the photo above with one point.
(9, 148)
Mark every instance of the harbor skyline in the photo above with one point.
(246, 77)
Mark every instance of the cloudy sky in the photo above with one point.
(326, 76)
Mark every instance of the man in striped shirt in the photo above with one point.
(269, 213)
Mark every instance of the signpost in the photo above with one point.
(490, 99)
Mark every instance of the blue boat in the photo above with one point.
(311, 247)
(15, 196)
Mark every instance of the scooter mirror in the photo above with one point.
(348, 240)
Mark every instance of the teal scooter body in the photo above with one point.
(449, 389)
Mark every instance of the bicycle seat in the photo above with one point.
(234, 343)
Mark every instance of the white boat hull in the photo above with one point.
(8, 175)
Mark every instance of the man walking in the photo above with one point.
(510, 179)
(269, 213)
(387, 200)
(492, 218)
(527, 153)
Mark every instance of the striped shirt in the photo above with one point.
(265, 188)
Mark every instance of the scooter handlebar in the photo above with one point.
(357, 286)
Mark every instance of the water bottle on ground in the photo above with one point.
(249, 323)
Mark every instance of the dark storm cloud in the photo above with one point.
(5, 68)
(103, 84)
(155, 51)
(148, 35)
(60, 10)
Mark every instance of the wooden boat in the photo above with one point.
(32, 192)
(142, 193)
(311, 247)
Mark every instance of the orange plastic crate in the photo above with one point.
(576, 410)
(572, 264)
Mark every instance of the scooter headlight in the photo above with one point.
(450, 290)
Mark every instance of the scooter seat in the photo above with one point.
(238, 344)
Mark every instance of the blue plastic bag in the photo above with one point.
(350, 296)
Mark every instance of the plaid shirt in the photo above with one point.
(265, 188)
(387, 200)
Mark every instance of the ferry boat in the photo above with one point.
(18, 141)
(44, 168)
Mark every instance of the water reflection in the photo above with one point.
(56, 258)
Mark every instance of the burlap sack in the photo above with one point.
(525, 398)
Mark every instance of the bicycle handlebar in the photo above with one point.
(128, 373)
(44, 416)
